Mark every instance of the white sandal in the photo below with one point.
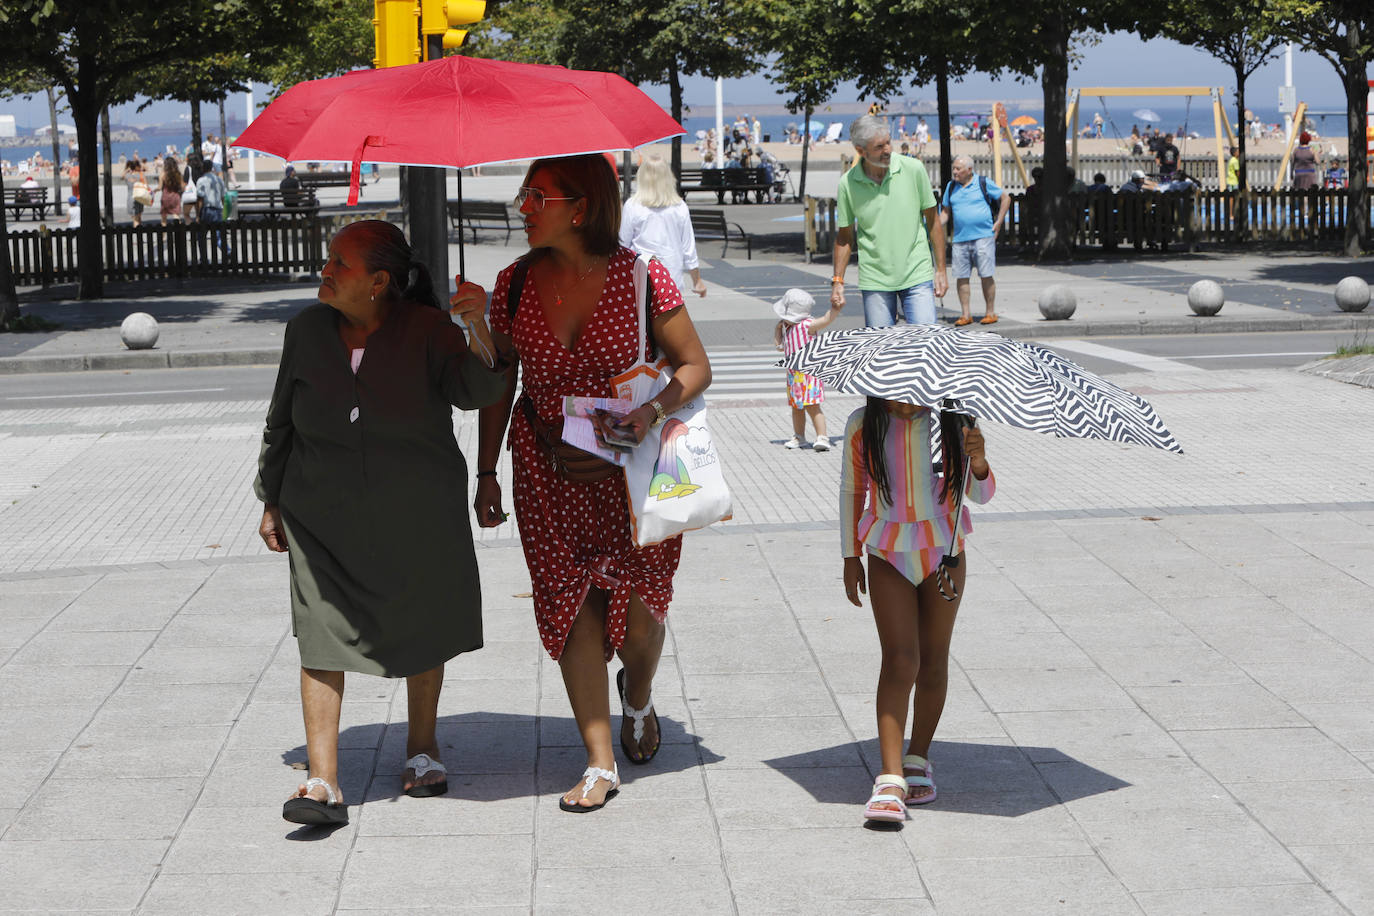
(589, 777)
(919, 773)
(422, 764)
(873, 811)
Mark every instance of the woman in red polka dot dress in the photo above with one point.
(576, 326)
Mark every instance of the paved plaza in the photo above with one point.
(1161, 692)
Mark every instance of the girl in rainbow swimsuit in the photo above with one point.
(897, 505)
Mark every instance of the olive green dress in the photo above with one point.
(373, 490)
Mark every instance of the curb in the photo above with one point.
(139, 359)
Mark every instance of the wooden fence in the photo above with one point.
(256, 247)
(1152, 220)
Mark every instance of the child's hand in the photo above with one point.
(854, 582)
(976, 452)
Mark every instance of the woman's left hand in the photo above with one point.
(699, 287)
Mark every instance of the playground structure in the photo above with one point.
(1221, 124)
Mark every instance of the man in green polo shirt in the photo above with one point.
(888, 199)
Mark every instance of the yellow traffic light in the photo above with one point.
(395, 24)
(438, 17)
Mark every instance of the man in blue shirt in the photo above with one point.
(969, 203)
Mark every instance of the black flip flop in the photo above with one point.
(432, 789)
(314, 813)
(589, 776)
(629, 753)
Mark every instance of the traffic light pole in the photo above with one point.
(426, 196)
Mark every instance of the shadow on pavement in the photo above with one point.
(992, 779)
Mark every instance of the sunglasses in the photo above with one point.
(536, 197)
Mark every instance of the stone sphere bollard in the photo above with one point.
(1057, 302)
(1352, 294)
(139, 331)
(1205, 297)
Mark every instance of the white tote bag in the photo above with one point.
(674, 477)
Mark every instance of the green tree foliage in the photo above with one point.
(338, 38)
(1342, 31)
(93, 49)
(1239, 35)
(655, 43)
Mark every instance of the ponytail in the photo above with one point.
(385, 249)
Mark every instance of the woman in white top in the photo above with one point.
(655, 222)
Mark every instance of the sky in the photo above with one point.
(1120, 59)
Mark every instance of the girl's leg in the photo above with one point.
(894, 601)
(817, 419)
(583, 665)
(799, 423)
(640, 653)
(422, 707)
(935, 625)
(321, 700)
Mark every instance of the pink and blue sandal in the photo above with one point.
(920, 774)
(887, 806)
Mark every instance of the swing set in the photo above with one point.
(1219, 120)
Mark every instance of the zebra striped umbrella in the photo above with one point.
(990, 376)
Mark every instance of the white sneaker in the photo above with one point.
(794, 442)
(822, 444)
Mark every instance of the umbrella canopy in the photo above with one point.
(1145, 114)
(1023, 121)
(457, 112)
(990, 376)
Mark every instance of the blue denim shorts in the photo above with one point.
(918, 305)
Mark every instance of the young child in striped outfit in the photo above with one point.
(897, 505)
(804, 392)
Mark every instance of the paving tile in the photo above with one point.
(469, 747)
(1030, 690)
(1182, 855)
(1344, 871)
(475, 805)
(53, 648)
(263, 777)
(1312, 813)
(1033, 884)
(1022, 650)
(816, 868)
(30, 686)
(1222, 706)
(632, 830)
(1299, 682)
(279, 725)
(1269, 754)
(235, 664)
(42, 728)
(681, 890)
(206, 631)
(95, 874)
(142, 752)
(1348, 723)
(1147, 793)
(788, 798)
(24, 772)
(980, 824)
(416, 871)
(129, 809)
(745, 696)
(735, 649)
(1089, 735)
(236, 894)
(254, 840)
(1193, 666)
(778, 741)
(1294, 899)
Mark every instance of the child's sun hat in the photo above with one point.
(794, 306)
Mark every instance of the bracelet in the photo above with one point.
(659, 415)
(836, 279)
(481, 474)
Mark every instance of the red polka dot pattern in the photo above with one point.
(576, 536)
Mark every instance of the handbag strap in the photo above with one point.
(644, 292)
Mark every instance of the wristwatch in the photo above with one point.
(659, 415)
(836, 279)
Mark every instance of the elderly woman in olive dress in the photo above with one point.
(364, 484)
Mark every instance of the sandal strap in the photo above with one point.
(916, 762)
(314, 781)
(423, 763)
(638, 715)
(591, 774)
(889, 779)
(884, 797)
(923, 781)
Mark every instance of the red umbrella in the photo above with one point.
(457, 112)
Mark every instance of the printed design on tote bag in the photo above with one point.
(671, 479)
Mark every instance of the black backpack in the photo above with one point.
(982, 186)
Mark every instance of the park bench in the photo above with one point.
(276, 202)
(711, 225)
(315, 180)
(19, 199)
(739, 182)
(482, 214)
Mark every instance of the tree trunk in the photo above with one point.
(806, 147)
(194, 157)
(86, 113)
(1054, 230)
(57, 196)
(1242, 221)
(107, 160)
(1356, 102)
(942, 116)
(675, 100)
(9, 297)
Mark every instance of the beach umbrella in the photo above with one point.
(1023, 121)
(1145, 114)
(984, 375)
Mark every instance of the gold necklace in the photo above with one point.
(558, 294)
